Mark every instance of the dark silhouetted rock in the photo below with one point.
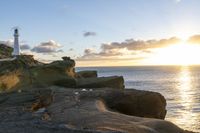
(66, 58)
(137, 103)
(86, 74)
(69, 60)
(101, 82)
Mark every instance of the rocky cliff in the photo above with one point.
(37, 97)
(25, 71)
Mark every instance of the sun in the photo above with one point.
(177, 54)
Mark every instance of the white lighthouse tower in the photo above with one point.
(16, 50)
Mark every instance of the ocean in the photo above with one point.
(180, 85)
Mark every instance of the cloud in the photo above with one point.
(49, 47)
(92, 54)
(25, 47)
(71, 49)
(130, 48)
(89, 51)
(89, 33)
(194, 39)
(8, 42)
(132, 44)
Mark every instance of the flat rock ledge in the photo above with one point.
(60, 110)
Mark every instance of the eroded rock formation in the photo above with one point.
(25, 71)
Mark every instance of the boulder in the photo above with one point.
(86, 74)
(137, 103)
(64, 67)
(116, 82)
(69, 60)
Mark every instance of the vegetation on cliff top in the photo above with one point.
(5, 51)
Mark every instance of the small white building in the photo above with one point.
(16, 47)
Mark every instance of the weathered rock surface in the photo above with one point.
(22, 62)
(55, 73)
(60, 110)
(137, 103)
(25, 71)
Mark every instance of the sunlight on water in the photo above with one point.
(185, 86)
(187, 118)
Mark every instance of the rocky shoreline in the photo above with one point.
(38, 97)
(57, 109)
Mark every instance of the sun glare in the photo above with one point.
(177, 54)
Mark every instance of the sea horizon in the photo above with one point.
(193, 65)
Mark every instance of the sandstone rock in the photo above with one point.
(137, 103)
(49, 74)
(101, 82)
(25, 71)
(22, 62)
(16, 73)
(68, 59)
(9, 80)
(86, 74)
(64, 67)
(67, 111)
(66, 82)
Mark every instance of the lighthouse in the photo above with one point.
(16, 50)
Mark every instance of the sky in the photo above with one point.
(101, 32)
